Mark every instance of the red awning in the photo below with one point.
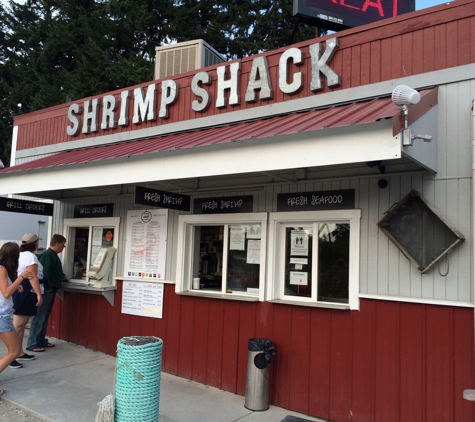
(336, 116)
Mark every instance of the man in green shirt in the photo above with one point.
(54, 277)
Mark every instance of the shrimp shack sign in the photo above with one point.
(110, 111)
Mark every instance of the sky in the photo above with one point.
(424, 4)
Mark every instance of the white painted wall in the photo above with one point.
(384, 271)
(14, 225)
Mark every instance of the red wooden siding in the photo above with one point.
(336, 116)
(390, 361)
(412, 44)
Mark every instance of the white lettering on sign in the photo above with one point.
(35, 207)
(144, 108)
(99, 210)
(210, 205)
(230, 84)
(91, 115)
(297, 201)
(152, 196)
(172, 200)
(329, 199)
(204, 98)
(93, 210)
(290, 84)
(231, 204)
(73, 116)
(320, 62)
(114, 111)
(167, 199)
(109, 118)
(259, 81)
(13, 204)
(169, 96)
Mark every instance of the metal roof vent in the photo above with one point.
(183, 57)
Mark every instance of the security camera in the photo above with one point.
(425, 138)
(404, 95)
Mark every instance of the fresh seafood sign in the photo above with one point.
(307, 201)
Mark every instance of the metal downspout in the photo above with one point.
(470, 394)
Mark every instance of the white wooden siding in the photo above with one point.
(384, 271)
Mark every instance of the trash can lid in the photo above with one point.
(262, 345)
(259, 344)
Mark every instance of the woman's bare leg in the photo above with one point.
(19, 322)
(10, 338)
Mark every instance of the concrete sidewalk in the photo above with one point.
(66, 383)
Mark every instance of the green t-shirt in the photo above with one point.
(52, 268)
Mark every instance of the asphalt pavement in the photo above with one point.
(12, 413)
(67, 382)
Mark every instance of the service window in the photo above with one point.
(314, 258)
(84, 238)
(223, 254)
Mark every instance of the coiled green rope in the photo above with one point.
(137, 388)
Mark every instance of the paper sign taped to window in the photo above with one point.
(299, 242)
(298, 278)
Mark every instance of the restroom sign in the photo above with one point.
(299, 243)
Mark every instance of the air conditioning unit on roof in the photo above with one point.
(183, 57)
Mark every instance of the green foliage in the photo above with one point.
(239, 29)
(53, 49)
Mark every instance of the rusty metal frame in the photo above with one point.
(383, 224)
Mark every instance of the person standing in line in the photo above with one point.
(9, 255)
(54, 277)
(27, 302)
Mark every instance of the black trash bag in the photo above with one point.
(264, 345)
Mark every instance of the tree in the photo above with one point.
(239, 29)
(53, 49)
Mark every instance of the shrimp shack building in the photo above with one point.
(319, 195)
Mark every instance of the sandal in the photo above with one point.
(49, 344)
(2, 391)
(35, 349)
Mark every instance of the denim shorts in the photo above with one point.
(6, 324)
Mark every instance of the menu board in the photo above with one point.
(141, 298)
(146, 244)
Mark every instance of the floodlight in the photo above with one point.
(404, 95)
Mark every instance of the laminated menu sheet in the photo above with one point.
(142, 298)
(146, 244)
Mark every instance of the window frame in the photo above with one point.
(278, 222)
(186, 241)
(72, 223)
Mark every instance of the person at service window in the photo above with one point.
(9, 255)
(27, 302)
(53, 273)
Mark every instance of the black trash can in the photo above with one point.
(261, 351)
